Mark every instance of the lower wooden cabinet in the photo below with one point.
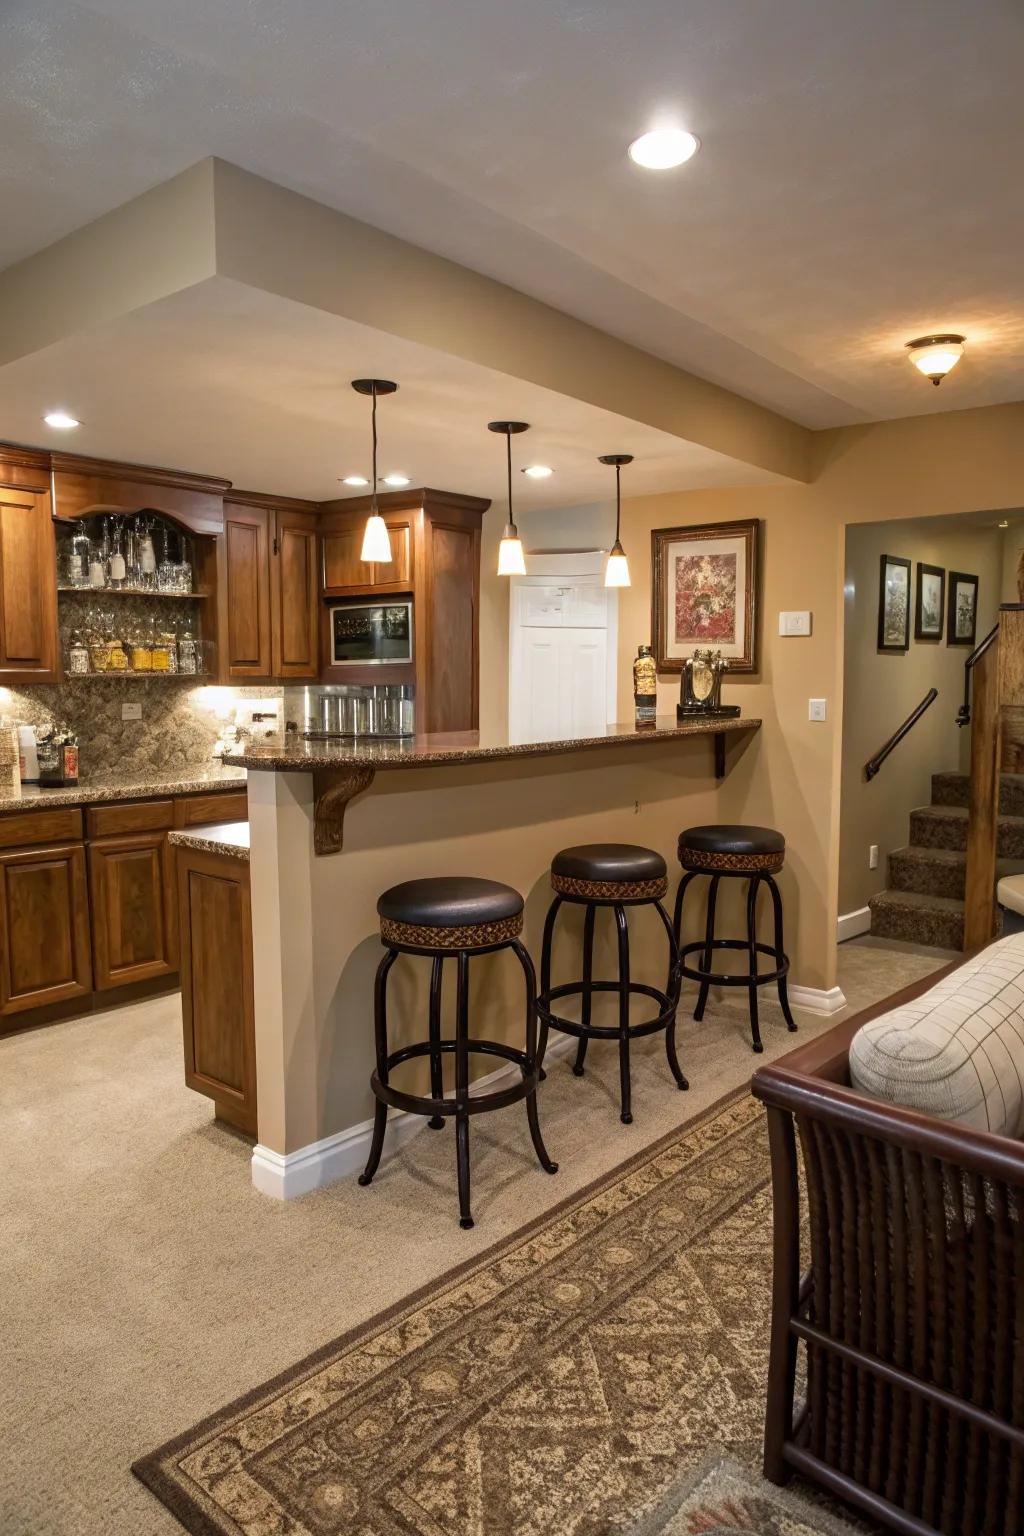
(44, 928)
(134, 916)
(216, 983)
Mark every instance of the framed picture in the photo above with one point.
(962, 620)
(894, 604)
(930, 611)
(704, 593)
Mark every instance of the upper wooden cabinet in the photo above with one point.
(267, 589)
(28, 586)
(345, 574)
(81, 486)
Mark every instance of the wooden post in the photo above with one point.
(983, 814)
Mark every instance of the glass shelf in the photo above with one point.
(104, 592)
(137, 677)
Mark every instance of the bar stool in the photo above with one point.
(452, 918)
(616, 875)
(754, 854)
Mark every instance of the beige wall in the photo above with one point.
(881, 688)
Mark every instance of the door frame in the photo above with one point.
(565, 568)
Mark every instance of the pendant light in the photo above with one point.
(616, 572)
(510, 550)
(376, 539)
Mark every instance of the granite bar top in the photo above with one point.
(128, 786)
(230, 838)
(299, 755)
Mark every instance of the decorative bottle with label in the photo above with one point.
(645, 686)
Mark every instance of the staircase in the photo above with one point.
(924, 902)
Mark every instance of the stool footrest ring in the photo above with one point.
(718, 980)
(601, 1031)
(419, 1104)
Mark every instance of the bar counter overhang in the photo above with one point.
(475, 806)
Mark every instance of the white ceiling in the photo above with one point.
(240, 383)
(859, 181)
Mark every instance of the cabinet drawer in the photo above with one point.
(204, 810)
(135, 816)
(24, 829)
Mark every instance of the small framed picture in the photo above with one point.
(704, 593)
(894, 604)
(962, 619)
(930, 611)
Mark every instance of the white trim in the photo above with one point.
(817, 1000)
(852, 924)
(289, 1174)
(573, 562)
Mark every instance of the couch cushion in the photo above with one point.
(957, 1051)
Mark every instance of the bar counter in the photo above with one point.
(475, 806)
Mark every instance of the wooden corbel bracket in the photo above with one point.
(331, 795)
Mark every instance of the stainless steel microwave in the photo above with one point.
(371, 634)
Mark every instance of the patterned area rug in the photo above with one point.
(557, 1385)
(725, 1498)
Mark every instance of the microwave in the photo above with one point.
(371, 634)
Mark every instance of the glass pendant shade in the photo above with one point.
(511, 561)
(616, 572)
(935, 356)
(376, 540)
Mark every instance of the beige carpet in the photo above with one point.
(144, 1283)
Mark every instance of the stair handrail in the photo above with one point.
(963, 714)
(873, 764)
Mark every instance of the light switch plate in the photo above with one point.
(131, 711)
(817, 709)
(795, 622)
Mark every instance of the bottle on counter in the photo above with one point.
(28, 756)
(645, 686)
(58, 757)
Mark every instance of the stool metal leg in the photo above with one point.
(380, 1035)
(587, 993)
(541, 1150)
(626, 1114)
(462, 1090)
(780, 952)
(545, 976)
(436, 1122)
(677, 922)
(709, 934)
(755, 1031)
(674, 980)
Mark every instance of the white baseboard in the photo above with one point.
(817, 999)
(290, 1174)
(852, 924)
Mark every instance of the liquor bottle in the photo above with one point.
(645, 686)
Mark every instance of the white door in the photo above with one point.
(582, 666)
(536, 705)
(562, 649)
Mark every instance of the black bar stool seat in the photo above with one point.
(754, 854)
(452, 917)
(616, 875)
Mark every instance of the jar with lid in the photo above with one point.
(140, 648)
(188, 650)
(78, 655)
(165, 654)
(117, 654)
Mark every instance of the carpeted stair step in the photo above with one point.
(945, 826)
(937, 871)
(934, 920)
(954, 789)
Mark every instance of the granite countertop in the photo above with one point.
(230, 838)
(300, 754)
(127, 786)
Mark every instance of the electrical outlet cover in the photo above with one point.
(131, 711)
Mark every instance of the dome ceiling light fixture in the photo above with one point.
(510, 551)
(376, 539)
(935, 356)
(616, 572)
(664, 148)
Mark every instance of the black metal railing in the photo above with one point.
(963, 714)
(872, 766)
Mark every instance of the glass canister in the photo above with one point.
(140, 650)
(188, 653)
(78, 656)
(99, 652)
(117, 654)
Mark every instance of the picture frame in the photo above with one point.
(930, 602)
(894, 603)
(962, 614)
(704, 593)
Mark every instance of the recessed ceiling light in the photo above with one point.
(1005, 523)
(664, 148)
(538, 471)
(355, 480)
(936, 356)
(62, 420)
(396, 479)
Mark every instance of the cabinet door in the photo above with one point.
(294, 604)
(583, 680)
(343, 569)
(134, 922)
(44, 928)
(535, 702)
(216, 983)
(538, 606)
(28, 588)
(247, 584)
(397, 576)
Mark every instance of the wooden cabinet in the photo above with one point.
(346, 575)
(44, 928)
(134, 919)
(268, 611)
(216, 983)
(28, 587)
(82, 486)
